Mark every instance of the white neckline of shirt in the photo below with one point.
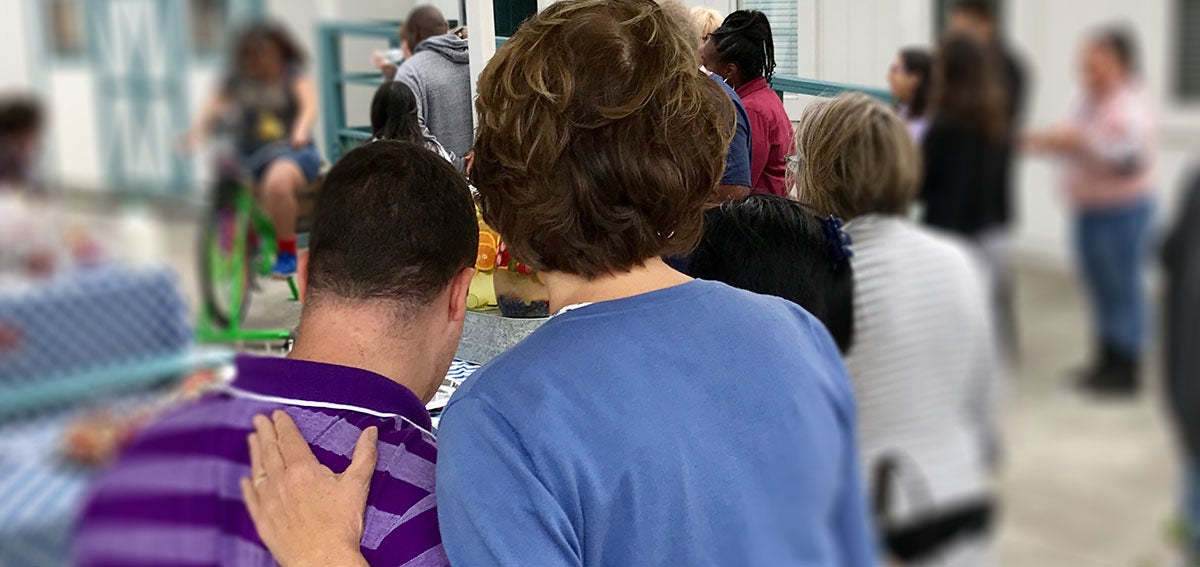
(237, 392)
(570, 307)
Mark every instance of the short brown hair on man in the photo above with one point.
(394, 223)
(599, 143)
(855, 157)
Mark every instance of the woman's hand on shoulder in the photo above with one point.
(305, 513)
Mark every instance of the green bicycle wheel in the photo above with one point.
(226, 265)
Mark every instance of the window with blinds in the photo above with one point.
(785, 30)
(1187, 49)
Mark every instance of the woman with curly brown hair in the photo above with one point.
(631, 429)
(655, 419)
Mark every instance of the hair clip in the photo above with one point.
(839, 241)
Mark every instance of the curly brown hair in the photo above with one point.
(599, 144)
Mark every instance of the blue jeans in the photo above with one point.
(1113, 246)
(308, 159)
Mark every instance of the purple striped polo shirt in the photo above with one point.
(173, 497)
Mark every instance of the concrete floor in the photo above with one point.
(1086, 482)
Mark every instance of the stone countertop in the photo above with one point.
(487, 334)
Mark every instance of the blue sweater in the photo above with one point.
(695, 425)
(737, 158)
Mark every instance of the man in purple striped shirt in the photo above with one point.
(393, 243)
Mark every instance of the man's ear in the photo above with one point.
(459, 287)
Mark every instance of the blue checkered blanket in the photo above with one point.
(89, 326)
(94, 319)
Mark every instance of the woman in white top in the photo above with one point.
(924, 359)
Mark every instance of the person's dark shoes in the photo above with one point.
(1116, 376)
(1102, 357)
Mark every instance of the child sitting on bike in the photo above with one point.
(273, 105)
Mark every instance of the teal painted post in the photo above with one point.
(813, 87)
(95, 14)
(172, 13)
(329, 54)
(334, 80)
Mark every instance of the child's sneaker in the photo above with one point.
(285, 266)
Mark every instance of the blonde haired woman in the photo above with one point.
(706, 20)
(923, 363)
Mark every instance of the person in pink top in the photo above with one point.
(742, 51)
(1108, 146)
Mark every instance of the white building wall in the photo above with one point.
(72, 131)
(14, 64)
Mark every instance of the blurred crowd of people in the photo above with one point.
(825, 391)
(964, 102)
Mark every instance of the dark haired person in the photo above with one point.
(909, 79)
(774, 246)
(980, 20)
(1109, 145)
(378, 331)
(735, 182)
(437, 70)
(274, 107)
(394, 117)
(655, 419)
(963, 148)
(35, 245)
(20, 135)
(924, 361)
(742, 51)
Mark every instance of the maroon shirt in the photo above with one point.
(770, 137)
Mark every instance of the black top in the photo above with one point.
(964, 178)
(266, 111)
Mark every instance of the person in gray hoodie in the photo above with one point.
(439, 74)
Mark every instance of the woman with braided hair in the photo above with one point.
(742, 51)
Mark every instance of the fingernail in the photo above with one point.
(373, 433)
(278, 414)
(260, 420)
